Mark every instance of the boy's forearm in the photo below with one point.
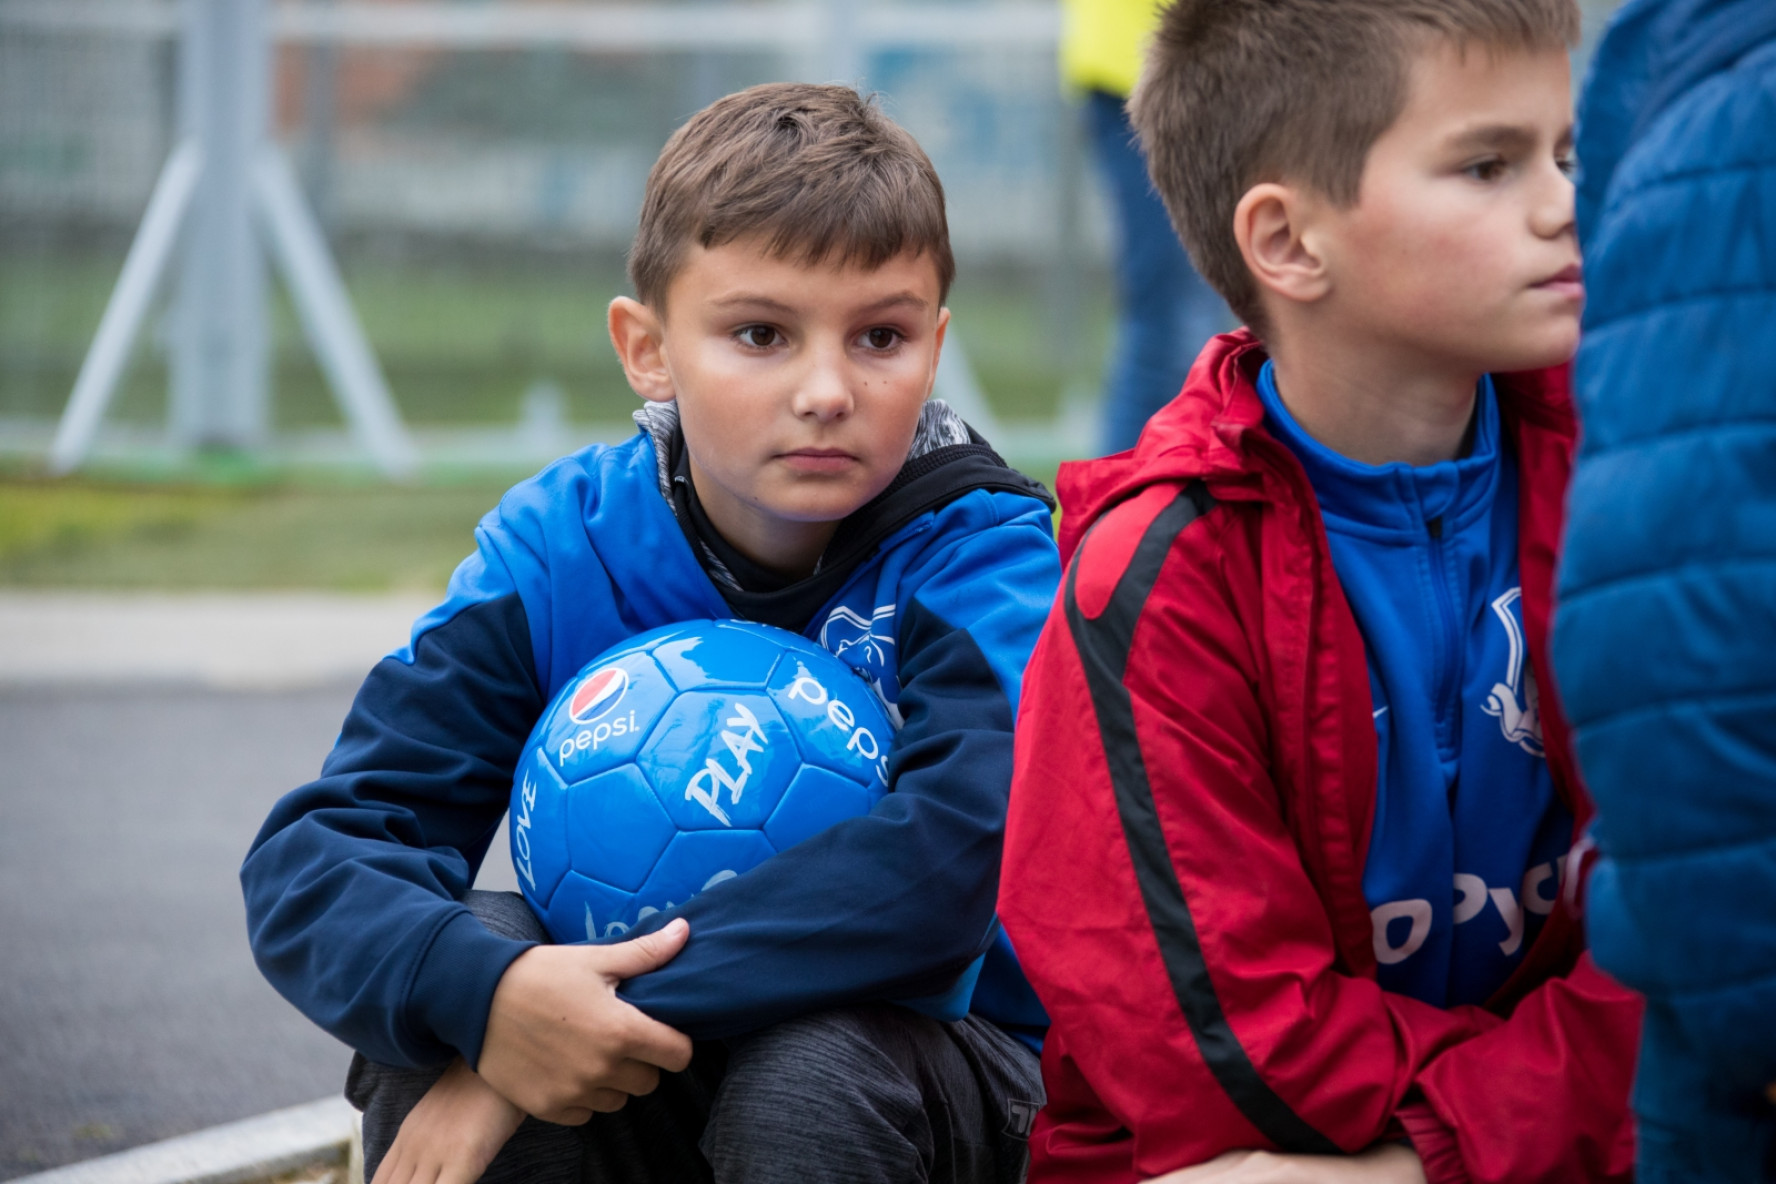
(352, 885)
(1389, 1163)
(387, 963)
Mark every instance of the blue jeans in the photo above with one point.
(1165, 310)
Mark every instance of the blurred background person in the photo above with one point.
(1164, 309)
(1665, 636)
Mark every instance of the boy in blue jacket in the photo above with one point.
(790, 271)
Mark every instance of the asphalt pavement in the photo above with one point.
(130, 1008)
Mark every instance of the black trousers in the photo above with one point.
(871, 1094)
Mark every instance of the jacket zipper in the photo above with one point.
(1448, 655)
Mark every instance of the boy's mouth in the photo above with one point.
(1568, 281)
(817, 460)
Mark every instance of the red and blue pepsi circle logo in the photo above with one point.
(599, 695)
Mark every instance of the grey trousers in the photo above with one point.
(873, 1094)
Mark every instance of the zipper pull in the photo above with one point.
(1435, 526)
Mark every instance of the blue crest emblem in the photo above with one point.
(1516, 703)
(867, 645)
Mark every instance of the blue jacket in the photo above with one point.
(352, 886)
(1665, 637)
(1427, 558)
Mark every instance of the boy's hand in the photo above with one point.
(561, 1045)
(1391, 1164)
(452, 1135)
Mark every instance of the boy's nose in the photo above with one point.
(1552, 214)
(824, 393)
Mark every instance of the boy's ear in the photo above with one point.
(640, 338)
(937, 341)
(1273, 225)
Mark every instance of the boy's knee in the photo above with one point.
(868, 1094)
(849, 1064)
(823, 1097)
(871, 1051)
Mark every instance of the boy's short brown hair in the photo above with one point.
(1239, 92)
(817, 173)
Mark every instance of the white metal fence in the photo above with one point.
(512, 119)
(432, 129)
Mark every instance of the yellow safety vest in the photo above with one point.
(1102, 42)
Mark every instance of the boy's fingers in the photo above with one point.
(397, 1167)
(639, 955)
(607, 1101)
(634, 1078)
(656, 1044)
(387, 1170)
(567, 1116)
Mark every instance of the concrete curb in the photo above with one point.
(254, 1149)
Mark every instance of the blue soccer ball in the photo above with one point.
(682, 758)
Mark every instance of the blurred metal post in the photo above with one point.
(223, 172)
(326, 313)
(220, 360)
(320, 77)
(143, 268)
(842, 54)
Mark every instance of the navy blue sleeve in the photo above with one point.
(352, 884)
(899, 903)
(1665, 637)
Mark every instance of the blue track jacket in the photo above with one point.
(1665, 635)
(352, 885)
(1465, 851)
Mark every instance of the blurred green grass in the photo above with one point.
(369, 538)
(460, 340)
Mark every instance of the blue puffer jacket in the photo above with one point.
(1665, 638)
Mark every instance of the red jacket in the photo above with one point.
(1190, 816)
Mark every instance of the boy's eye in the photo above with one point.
(880, 338)
(759, 336)
(1486, 170)
(1567, 163)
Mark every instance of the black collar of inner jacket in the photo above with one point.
(924, 483)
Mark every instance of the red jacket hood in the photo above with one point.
(1203, 433)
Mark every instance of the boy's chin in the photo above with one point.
(806, 512)
(818, 501)
(1541, 351)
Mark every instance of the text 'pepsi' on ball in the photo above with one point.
(682, 758)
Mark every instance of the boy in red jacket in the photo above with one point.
(1292, 856)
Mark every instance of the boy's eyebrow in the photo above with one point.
(1499, 135)
(910, 300)
(752, 300)
(757, 300)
